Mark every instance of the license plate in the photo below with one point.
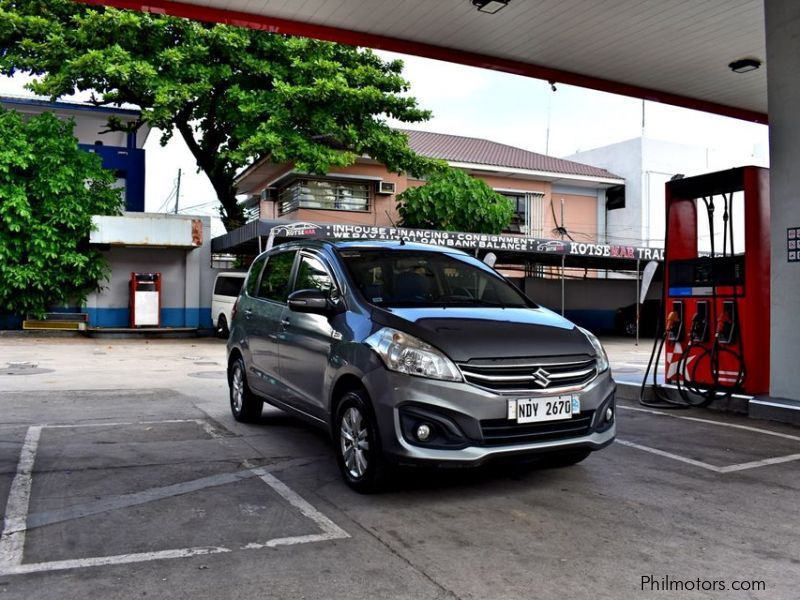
(537, 410)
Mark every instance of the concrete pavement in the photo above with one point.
(127, 478)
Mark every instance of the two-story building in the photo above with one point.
(551, 197)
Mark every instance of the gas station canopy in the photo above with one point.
(674, 51)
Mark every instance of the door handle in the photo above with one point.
(285, 323)
(248, 313)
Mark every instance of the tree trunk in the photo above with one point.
(221, 179)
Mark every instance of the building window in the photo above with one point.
(324, 195)
(519, 221)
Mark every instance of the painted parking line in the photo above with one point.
(121, 501)
(651, 411)
(697, 463)
(12, 537)
(679, 458)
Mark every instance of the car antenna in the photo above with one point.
(388, 216)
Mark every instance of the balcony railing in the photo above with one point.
(324, 195)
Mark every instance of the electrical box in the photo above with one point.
(145, 299)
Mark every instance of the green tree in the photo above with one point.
(49, 190)
(453, 201)
(235, 95)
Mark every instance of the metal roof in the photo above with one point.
(674, 51)
(477, 151)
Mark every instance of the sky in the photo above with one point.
(501, 107)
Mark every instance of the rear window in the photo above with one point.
(228, 285)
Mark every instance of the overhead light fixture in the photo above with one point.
(744, 65)
(490, 6)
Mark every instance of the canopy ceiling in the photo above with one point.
(673, 51)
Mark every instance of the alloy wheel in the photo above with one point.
(353, 436)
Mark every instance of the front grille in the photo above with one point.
(502, 432)
(529, 375)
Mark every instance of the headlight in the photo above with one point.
(600, 353)
(406, 354)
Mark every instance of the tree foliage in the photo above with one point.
(235, 95)
(49, 190)
(453, 201)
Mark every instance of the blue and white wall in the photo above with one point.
(144, 243)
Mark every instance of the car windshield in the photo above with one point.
(399, 278)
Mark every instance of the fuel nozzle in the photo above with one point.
(700, 322)
(725, 323)
(675, 321)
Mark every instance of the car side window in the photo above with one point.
(311, 275)
(276, 277)
(252, 278)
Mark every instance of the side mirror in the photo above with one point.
(310, 301)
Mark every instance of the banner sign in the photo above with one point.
(466, 241)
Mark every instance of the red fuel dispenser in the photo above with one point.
(717, 302)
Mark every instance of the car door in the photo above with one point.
(263, 323)
(305, 340)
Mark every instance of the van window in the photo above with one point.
(275, 279)
(228, 285)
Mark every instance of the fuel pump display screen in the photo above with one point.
(699, 276)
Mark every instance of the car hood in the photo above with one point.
(465, 333)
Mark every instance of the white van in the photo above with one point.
(226, 289)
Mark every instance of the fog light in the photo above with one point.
(423, 432)
(609, 414)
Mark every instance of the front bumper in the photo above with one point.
(464, 407)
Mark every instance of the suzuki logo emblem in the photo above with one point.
(541, 377)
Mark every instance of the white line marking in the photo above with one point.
(683, 459)
(778, 404)
(710, 422)
(110, 503)
(119, 559)
(121, 424)
(12, 539)
(728, 469)
(13, 536)
(760, 463)
(331, 530)
(204, 425)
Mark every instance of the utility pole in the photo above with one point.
(178, 192)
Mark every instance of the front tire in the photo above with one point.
(245, 405)
(357, 444)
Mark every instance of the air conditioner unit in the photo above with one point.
(387, 187)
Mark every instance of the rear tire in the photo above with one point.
(245, 405)
(222, 327)
(357, 444)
